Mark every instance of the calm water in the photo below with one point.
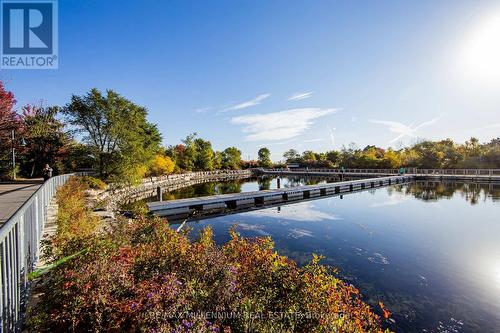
(247, 185)
(431, 253)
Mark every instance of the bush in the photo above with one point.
(6, 172)
(93, 183)
(76, 226)
(162, 165)
(141, 275)
(136, 208)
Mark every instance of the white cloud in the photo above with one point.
(258, 228)
(300, 96)
(280, 125)
(404, 130)
(256, 101)
(394, 199)
(299, 233)
(302, 211)
(203, 110)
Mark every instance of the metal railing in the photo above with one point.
(461, 172)
(415, 171)
(19, 250)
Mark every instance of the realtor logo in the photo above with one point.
(29, 34)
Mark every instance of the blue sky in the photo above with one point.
(284, 74)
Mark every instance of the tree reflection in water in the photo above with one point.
(264, 183)
(435, 190)
(429, 191)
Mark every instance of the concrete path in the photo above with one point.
(13, 195)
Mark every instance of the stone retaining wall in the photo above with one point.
(115, 196)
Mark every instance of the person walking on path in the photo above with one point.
(47, 172)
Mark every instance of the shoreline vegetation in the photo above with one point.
(141, 275)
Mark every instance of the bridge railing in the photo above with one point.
(471, 172)
(462, 172)
(324, 170)
(19, 250)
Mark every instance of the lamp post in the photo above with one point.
(13, 156)
(13, 138)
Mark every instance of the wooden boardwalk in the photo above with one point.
(215, 203)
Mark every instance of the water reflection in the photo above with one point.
(303, 211)
(433, 191)
(246, 185)
(428, 250)
(216, 188)
(199, 190)
(264, 183)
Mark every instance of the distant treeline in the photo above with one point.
(425, 154)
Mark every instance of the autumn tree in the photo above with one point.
(9, 120)
(45, 138)
(194, 154)
(161, 165)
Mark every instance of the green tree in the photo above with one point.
(265, 157)
(291, 156)
(188, 155)
(231, 158)
(332, 156)
(204, 159)
(308, 156)
(193, 154)
(121, 139)
(491, 154)
(78, 156)
(217, 160)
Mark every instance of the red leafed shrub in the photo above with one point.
(142, 276)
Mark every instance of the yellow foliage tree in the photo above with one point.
(162, 165)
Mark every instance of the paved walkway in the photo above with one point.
(13, 195)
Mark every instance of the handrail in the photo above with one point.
(20, 239)
(414, 171)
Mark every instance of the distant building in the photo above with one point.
(293, 165)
